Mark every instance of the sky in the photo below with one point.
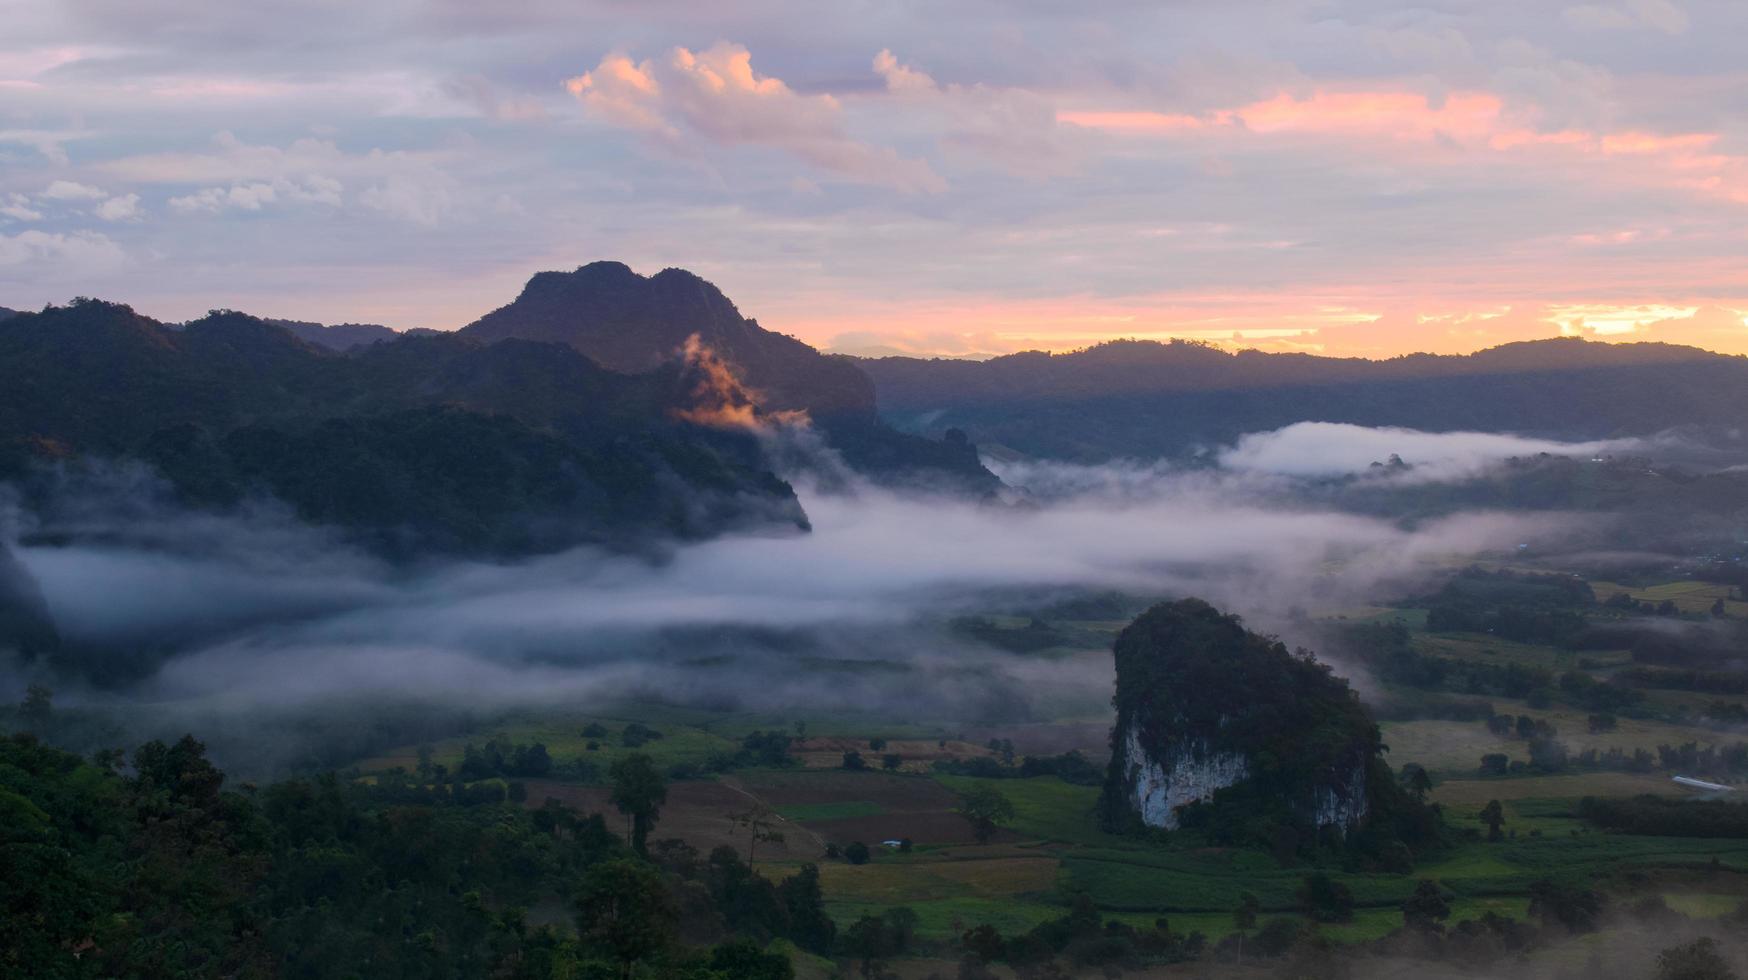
(964, 178)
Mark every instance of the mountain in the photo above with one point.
(338, 336)
(420, 444)
(1149, 399)
(1211, 714)
(5, 313)
(633, 324)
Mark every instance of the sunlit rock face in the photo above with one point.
(1204, 705)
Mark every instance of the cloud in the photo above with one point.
(1312, 449)
(714, 96)
(17, 207)
(1405, 331)
(494, 102)
(256, 195)
(67, 190)
(123, 207)
(1710, 327)
(272, 617)
(1661, 15)
(1014, 127)
(51, 144)
(899, 77)
(409, 198)
(65, 254)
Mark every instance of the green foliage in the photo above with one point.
(638, 792)
(165, 873)
(1326, 900)
(1663, 817)
(1565, 903)
(1426, 909)
(623, 911)
(1698, 960)
(986, 809)
(1526, 607)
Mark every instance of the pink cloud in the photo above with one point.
(1469, 121)
(715, 97)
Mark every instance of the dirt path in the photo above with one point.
(734, 784)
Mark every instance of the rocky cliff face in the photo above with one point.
(1208, 712)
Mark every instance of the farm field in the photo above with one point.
(1051, 849)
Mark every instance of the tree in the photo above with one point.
(1573, 906)
(1495, 764)
(1493, 815)
(804, 899)
(1718, 607)
(986, 809)
(891, 760)
(1427, 908)
(760, 823)
(1698, 960)
(742, 959)
(1324, 899)
(873, 939)
(853, 761)
(638, 792)
(1415, 780)
(985, 943)
(856, 852)
(1244, 918)
(36, 708)
(623, 911)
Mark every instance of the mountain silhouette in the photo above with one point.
(1151, 399)
(422, 443)
(633, 323)
(338, 336)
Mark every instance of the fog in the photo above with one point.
(262, 616)
(1337, 449)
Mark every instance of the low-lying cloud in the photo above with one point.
(1339, 449)
(268, 617)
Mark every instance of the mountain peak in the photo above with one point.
(634, 323)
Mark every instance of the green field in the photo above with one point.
(1053, 849)
(803, 812)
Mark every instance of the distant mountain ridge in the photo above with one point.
(510, 438)
(339, 336)
(1150, 399)
(423, 443)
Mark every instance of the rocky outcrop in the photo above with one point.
(635, 324)
(1187, 772)
(632, 324)
(1210, 713)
